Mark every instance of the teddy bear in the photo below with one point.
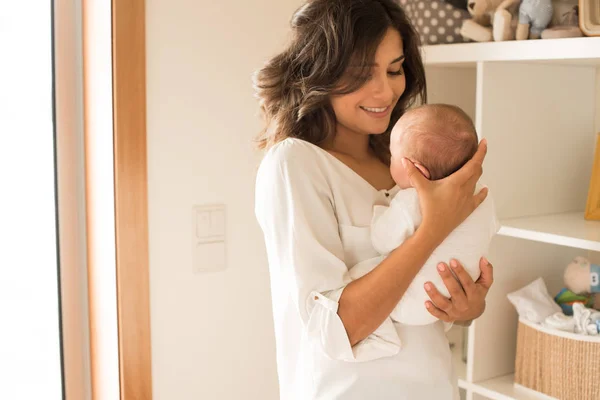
(534, 17)
(492, 20)
(583, 277)
(501, 20)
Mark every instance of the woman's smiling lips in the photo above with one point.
(377, 112)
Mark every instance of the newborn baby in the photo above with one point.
(439, 140)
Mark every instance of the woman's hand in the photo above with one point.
(447, 202)
(467, 298)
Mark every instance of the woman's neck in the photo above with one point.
(347, 142)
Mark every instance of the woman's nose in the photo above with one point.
(383, 88)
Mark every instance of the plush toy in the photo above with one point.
(566, 299)
(534, 17)
(491, 20)
(582, 277)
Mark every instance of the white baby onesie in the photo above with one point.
(467, 243)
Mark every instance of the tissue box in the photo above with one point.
(562, 365)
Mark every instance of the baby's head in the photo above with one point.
(438, 138)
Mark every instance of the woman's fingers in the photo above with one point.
(457, 294)
(481, 152)
(416, 178)
(436, 312)
(463, 277)
(472, 170)
(487, 274)
(460, 306)
(480, 197)
(437, 298)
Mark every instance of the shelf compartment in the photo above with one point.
(581, 51)
(504, 388)
(565, 229)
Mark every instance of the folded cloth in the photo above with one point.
(584, 321)
(533, 302)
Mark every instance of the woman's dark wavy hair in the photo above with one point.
(295, 86)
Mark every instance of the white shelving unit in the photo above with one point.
(577, 51)
(566, 229)
(538, 104)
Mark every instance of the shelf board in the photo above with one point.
(566, 229)
(503, 388)
(585, 50)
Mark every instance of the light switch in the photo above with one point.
(202, 224)
(210, 222)
(217, 222)
(209, 238)
(209, 257)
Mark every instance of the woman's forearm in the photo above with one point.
(366, 302)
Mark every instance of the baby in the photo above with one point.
(439, 139)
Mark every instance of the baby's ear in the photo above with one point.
(423, 170)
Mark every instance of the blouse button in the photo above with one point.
(387, 194)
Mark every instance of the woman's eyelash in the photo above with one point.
(399, 72)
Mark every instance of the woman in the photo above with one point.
(330, 100)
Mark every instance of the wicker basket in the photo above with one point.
(559, 364)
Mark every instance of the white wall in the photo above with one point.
(30, 354)
(211, 333)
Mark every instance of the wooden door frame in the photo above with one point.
(131, 198)
(121, 279)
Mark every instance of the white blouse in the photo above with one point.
(315, 213)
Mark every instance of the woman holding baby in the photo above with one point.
(330, 100)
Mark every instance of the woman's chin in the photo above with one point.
(373, 128)
(378, 132)
(379, 129)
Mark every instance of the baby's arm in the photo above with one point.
(394, 224)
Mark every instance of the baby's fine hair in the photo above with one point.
(441, 137)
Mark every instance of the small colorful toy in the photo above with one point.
(566, 298)
(583, 278)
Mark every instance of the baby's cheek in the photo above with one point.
(399, 175)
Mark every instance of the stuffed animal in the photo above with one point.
(582, 277)
(534, 17)
(491, 20)
(566, 299)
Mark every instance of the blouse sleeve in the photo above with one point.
(295, 209)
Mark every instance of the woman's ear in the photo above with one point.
(423, 170)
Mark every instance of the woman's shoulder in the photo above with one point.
(292, 148)
(295, 162)
(293, 153)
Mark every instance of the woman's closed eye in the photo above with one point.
(397, 66)
(397, 72)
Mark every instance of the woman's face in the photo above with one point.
(368, 109)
